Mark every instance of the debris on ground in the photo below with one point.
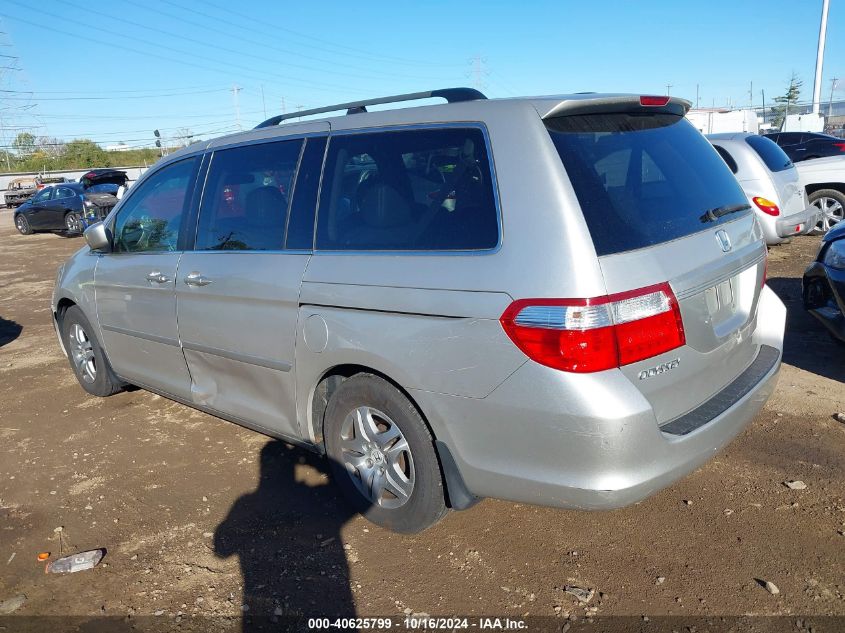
(583, 595)
(12, 604)
(42, 556)
(772, 588)
(839, 417)
(795, 485)
(76, 562)
(660, 580)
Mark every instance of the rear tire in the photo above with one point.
(22, 224)
(831, 202)
(86, 356)
(72, 223)
(382, 455)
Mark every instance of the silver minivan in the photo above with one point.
(552, 300)
(770, 182)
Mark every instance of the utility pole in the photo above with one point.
(817, 82)
(763, 93)
(299, 109)
(750, 94)
(478, 72)
(696, 96)
(833, 84)
(668, 86)
(235, 90)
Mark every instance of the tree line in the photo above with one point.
(44, 153)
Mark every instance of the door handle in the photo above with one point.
(196, 279)
(157, 277)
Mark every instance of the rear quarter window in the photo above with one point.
(643, 179)
(726, 156)
(771, 153)
(410, 190)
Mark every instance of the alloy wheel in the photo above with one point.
(82, 351)
(72, 223)
(377, 457)
(832, 213)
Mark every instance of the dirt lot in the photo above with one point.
(202, 517)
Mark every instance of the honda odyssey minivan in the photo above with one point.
(552, 300)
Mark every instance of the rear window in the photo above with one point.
(770, 152)
(643, 179)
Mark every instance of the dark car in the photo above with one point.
(824, 283)
(805, 145)
(66, 207)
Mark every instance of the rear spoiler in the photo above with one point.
(619, 103)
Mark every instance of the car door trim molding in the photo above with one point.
(249, 359)
(149, 337)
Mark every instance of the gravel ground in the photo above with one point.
(201, 517)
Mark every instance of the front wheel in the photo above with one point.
(22, 224)
(86, 356)
(831, 203)
(383, 455)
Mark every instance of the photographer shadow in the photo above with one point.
(287, 536)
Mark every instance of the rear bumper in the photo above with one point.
(824, 297)
(530, 441)
(797, 223)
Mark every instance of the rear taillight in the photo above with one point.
(766, 206)
(648, 100)
(586, 335)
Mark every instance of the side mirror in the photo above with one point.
(98, 237)
(120, 191)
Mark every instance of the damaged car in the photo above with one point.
(824, 284)
(68, 207)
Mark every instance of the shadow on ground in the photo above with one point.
(9, 331)
(806, 344)
(286, 534)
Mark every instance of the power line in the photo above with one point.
(147, 53)
(334, 65)
(276, 27)
(121, 98)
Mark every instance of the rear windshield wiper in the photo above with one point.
(711, 215)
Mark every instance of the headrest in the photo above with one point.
(383, 207)
(266, 202)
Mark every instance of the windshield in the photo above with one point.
(643, 179)
(102, 188)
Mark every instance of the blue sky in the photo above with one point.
(114, 71)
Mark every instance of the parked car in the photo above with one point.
(770, 182)
(824, 283)
(824, 181)
(806, 145)
(19, 190)
(552, 300)
(64, 207)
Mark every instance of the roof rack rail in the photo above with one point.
(452, 95)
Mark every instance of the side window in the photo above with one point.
(412, 190)
(300, 229)
(245, 200)
(43, 196)
(726, 156)
(151, 217)
(63, 192)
